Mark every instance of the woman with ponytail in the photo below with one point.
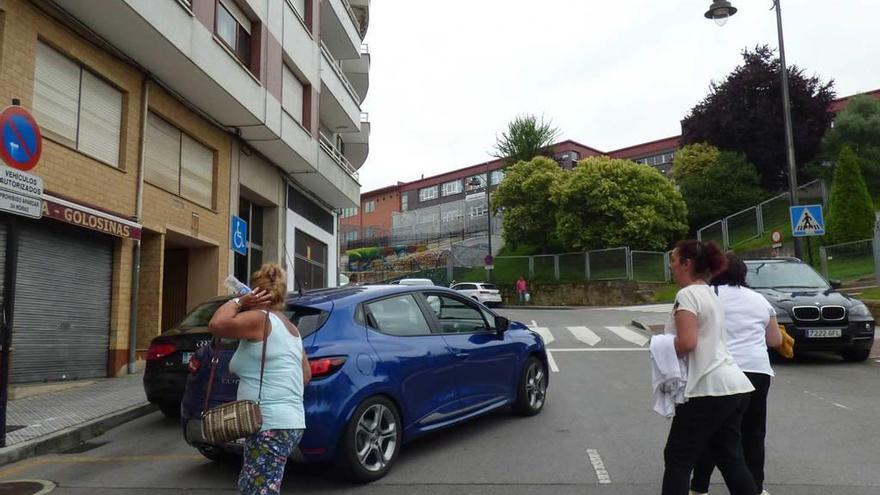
(717, 391)
(286, 373)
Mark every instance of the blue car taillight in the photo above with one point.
(326, 366)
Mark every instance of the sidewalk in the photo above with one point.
(51, 417)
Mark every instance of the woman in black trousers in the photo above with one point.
(717, 392)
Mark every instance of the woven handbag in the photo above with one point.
(237, 419)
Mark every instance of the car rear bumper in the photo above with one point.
(855, 335)
(490, 299)
(165, 387)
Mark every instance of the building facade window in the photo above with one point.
(369, 233)
(233, 27)
(451, 216)
(349, 212)
(450, 188)
(404, 202)
(428, 193)
(75, 107)
(475, 182)
(478, 211)
(350, 236)
(254, 215)
(292, 95)
(178, 163)
(370, 206)
(496, 176)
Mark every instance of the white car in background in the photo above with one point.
(485, 293)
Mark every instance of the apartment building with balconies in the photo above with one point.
(163, 120)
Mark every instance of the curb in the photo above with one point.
(655, 329)
(72, 436)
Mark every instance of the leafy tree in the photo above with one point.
(526, 137)
(851, 211)
(858, 126)
(611, 202)
(529, 213)
(744, 113)
(693, 159)
(724, 187)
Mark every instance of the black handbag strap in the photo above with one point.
(215, 359)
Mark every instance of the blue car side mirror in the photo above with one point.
(501, 325)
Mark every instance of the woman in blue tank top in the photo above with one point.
(285, 375)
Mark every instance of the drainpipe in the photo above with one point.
(139, 206)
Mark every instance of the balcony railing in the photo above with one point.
(337, 156)
(357, 25)
(338, 70)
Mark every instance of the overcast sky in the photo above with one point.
(446, 77)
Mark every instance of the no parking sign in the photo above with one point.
(22, 140)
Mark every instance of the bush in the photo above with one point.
(610, 202)
(851, 210)
(724, 187)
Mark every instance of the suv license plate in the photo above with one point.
(823, 333)
(184, 356)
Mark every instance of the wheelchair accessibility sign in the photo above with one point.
(238, 236)
(807, 221)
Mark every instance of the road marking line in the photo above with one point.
(599, 467)
(545, 334)
(629, 335)
(598, 349)
(823, 399)
(585, 335)
(552, 362)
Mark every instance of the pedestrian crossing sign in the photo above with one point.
(807, 220)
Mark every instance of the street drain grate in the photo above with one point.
(26, 487)
(83, 447)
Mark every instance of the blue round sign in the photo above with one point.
(22, 140)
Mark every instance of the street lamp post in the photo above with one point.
(720, 11)
(475, 181)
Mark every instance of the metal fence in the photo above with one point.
(601, 264)
(755, 221)
(849, 260)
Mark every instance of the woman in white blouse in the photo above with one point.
(717, 392)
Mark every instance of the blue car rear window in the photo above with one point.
(307, 319)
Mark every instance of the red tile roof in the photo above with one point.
(647, 149)
(841, 103)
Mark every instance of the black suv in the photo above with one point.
(818, 316)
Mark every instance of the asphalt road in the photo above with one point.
(597, 434)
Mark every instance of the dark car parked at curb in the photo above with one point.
(169, 353)
(813, 311)
(389, 364)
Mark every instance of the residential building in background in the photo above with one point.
(162, 121)
(450, 204)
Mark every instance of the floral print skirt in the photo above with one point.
(265, 455)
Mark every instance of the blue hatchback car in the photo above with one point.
(389, 364)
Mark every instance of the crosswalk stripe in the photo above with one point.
(545, 334)
(629, 335)
(585, 335)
